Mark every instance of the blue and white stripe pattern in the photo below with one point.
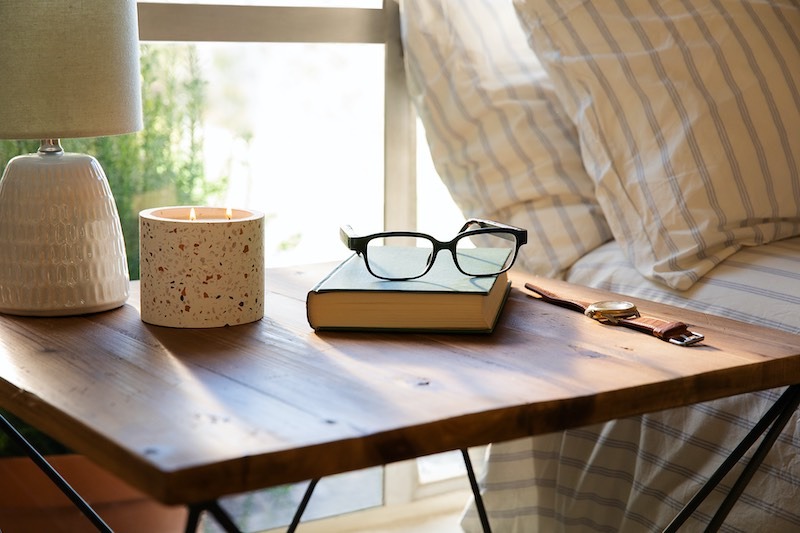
(499, 138)
(688, 115)
(635, 474)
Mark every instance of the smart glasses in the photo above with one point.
(481, 248)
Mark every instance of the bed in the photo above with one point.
(651, 149)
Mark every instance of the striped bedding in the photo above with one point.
(498, 136)
(652, 149)
(635, 474)
(687, 115)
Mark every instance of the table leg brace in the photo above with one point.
(54, 476)
(776, 417)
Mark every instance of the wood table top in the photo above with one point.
(190, 415)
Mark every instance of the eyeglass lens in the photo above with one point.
(477, 255)
(486, 253)
(409, 257)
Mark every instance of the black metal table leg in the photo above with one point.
(193, 518)
(792, 401)
(302, 507)
(773, 422)
(476, 492)
(224, 519)
(54, 476)
(215, 509)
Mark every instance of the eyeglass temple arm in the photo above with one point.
(520, 234)
(483, 223)
(349, 238)
(480, 222)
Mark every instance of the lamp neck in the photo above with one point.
(50, 146)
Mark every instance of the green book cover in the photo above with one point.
(444, 299)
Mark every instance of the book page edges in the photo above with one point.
(454, 312)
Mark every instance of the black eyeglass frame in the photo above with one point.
(359, 243)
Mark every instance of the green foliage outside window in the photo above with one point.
(158, 166)
(162, 164)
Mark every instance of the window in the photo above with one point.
(296, 130)
(308, 158)
(234, 115)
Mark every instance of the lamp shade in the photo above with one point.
(69, 68)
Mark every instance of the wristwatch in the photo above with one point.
(622, 313)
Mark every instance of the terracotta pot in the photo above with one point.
(30, 502)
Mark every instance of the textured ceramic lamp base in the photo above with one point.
(61, 246)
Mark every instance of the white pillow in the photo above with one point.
(499, 138)
(689, 121)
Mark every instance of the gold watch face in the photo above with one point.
(611, 310)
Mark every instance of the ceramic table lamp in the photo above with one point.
(68, 68)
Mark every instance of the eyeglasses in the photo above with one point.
(481, 248)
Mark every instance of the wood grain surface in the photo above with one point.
(188, 415)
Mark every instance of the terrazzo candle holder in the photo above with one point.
(204, 272)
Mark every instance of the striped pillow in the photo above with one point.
(688, 117)
(499, 139)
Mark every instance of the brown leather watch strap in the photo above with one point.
(675, 332)
(554, 299)
(662, 329)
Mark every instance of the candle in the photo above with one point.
(201, 267)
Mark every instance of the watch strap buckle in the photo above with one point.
(687, 339)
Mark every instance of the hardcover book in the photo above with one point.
(444, 299)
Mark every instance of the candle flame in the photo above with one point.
(229, 213)
(192, 214)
